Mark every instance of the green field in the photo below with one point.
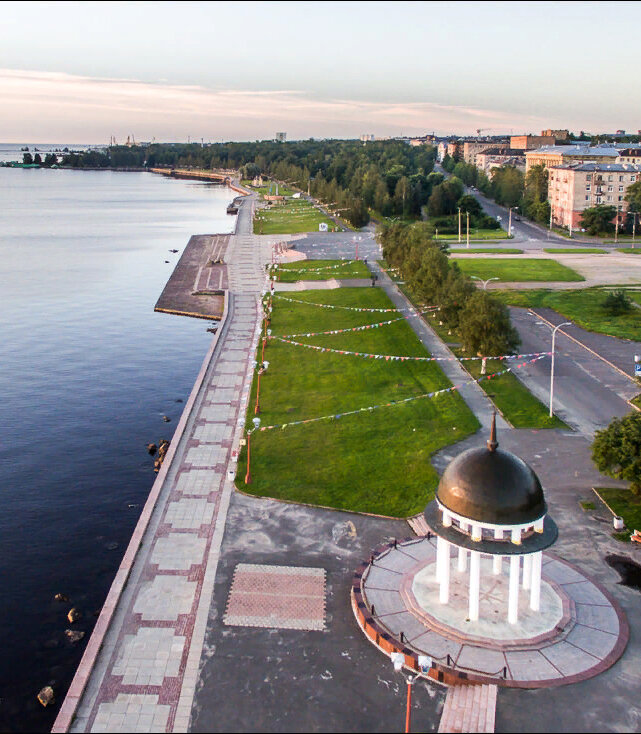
(264, 190)
(485, 251)
(290, 217)
(625, 504)
(477, 234)
(576, 250)
(376, 461)
(636, 401)
(630, 250)
(581, 306)
(320, 270)
(518, 270)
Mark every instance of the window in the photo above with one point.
(610, 188)
(620, 178)
(609, 178)
(609, 198)
(620, 188)
(620, 199)
(633, 178)
(598, 199)
(587, 197)
(588, 177)
(588, 188)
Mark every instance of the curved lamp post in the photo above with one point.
(485, 282)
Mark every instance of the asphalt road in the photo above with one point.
(588, 393)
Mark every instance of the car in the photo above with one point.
(517, 219)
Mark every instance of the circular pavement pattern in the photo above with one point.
(579, 632)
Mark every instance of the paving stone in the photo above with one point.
(530, 665)
(165, 598)
(385, 602)
(189, 513)
(481, 659)
(109, 718)
(569, 659)
(147, 657)
(200, 482)
(562, 573)
(206, 455)
(592, 640)
(586, 593)
(213, 432)
(178, 551)
(603, 618)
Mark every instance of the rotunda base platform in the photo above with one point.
(579, 631)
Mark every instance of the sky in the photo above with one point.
(82, 72)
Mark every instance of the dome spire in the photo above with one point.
(492, 443)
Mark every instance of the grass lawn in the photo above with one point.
(485, 251)
(576, 250)
(376, 461)
(625, 504)
(290, 217)
(262, 190)
(581, 306)
(636, 401)
(507, 392)
(289, 273)
(630, 250)
(525, 269)
(477, 234)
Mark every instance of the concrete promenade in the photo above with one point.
(139, 669)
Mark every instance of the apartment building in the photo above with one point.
(574, 187)
(529, 142)
(629, 155)
(491, 158)
(556, 134)
(557, 155)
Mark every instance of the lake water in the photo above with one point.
(87, 372)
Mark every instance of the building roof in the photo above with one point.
(492, 486)
(629, 151)
(576, 150)
(613, 167)
(504, 151)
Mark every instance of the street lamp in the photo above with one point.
(424, 663)
(509, 226)
(485, 282)
(554, 329)
(256, 422)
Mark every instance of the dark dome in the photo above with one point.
(492, 486)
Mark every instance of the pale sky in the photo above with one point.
(81, 72)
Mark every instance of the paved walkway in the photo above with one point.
(474, 397)
(469, 709)
(140, 667)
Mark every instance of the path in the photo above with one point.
(474, 397)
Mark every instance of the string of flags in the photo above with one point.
(317, 270)
(355, 328)
(395, 358)
(371, 408)
(411, 309)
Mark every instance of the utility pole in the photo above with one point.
(616, 229)
(468, 228)
(459, 225)
(509, 225)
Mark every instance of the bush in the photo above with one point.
(616, 450)
(616, 303)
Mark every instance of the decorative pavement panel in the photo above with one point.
(288, 597)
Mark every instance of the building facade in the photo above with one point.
(530, 142)
(574, 187)
(492, 158)
(556, 155)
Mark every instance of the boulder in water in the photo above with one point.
(61, 597)
(74, 635)
(73, 615)
(152, 448)
(46, 696)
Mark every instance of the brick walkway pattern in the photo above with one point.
(143, 678)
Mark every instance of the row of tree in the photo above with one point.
(50, 159)
(389, 177)
(481, 321)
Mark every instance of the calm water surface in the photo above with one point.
(88, 371)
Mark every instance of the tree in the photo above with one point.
(598, 219)
(448, 163)
(27, 159)
(485, 328)
(470, 204)
(535, 194)
(633, 196)
(617, 303)
(616, 450)
(37, 159)
(507, 185)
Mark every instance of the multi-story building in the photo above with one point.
(556, 134)
(629, 155)
(441, 150)
(529, 142)
(556, 155)
(574, 187)
(472, 148)
(491, 158)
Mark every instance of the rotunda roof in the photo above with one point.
(492, 486)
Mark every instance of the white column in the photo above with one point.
(513, 598)
(462, 554)
(497, 561)
(527, 571)
(535, 592)
(440, 553)
(444, 593)
(475, 585)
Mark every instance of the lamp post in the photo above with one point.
(425, 663)
(467, 215)
(459, 225)
(554, 329)
(485, 282)
(256, 422)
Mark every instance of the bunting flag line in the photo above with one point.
(411, 309)
(354, 328)
(371, 408)
(316, 270)
(395, 358)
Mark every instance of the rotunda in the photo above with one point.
(490, 502)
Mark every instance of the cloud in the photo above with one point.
(53, 106)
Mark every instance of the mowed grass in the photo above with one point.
(264, 190)
(376, 461)
(485, 251)
(320, 270)
(511, 397)
(624, 503)
(518, 270)
(477, 234)
(584, 307)
(290, 217)
(576, 250)
(630, 250)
